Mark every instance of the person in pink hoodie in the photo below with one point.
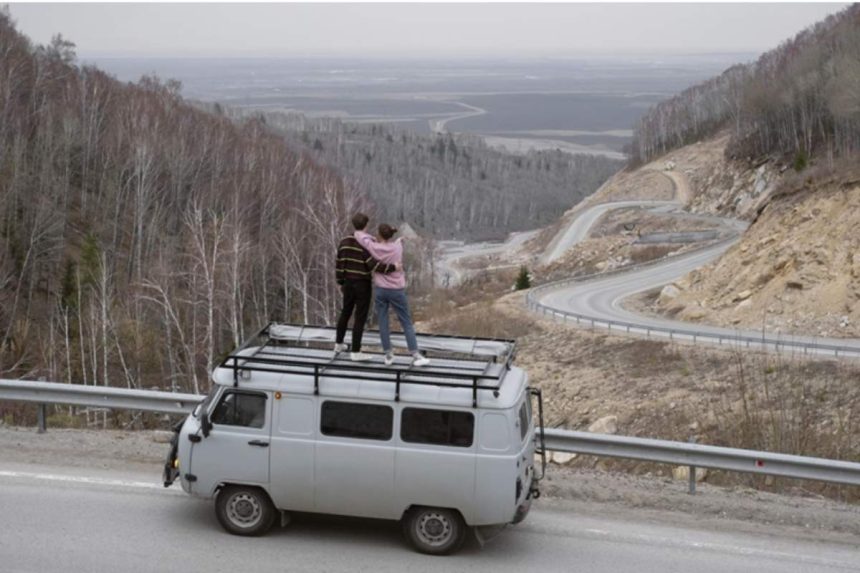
(390, 291)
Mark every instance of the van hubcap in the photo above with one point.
(244, 510)
(434, 528)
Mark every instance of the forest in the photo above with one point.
(142, 237)
(446, 185)
(797, 101)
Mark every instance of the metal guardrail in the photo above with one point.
(97, 396)
(697, 455)
(645, 449)
(683, 334)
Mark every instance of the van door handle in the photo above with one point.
(260, 443)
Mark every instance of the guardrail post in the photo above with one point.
(692, 472)
(42, 419)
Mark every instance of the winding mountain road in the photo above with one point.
(600, 298)
(579, 228)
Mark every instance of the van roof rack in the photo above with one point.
(462, 362)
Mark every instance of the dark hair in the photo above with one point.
(359, 221)
(386, 231)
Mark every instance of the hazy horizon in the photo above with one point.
(416, 31)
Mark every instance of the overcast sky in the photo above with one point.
(285, 30)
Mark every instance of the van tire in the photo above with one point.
(434, 530)
(244, 510)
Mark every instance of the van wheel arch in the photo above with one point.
(245, 510)
(434, 530)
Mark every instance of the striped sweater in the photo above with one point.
(354, 263)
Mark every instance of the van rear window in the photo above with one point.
(440, 427)
(525, 418)
(355, 420)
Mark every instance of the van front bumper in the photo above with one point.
(523, 510)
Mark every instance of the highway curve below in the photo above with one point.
(600, 299)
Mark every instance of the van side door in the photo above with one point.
(354, 466)
(237, 447)
(293, 452)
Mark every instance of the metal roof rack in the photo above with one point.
(463, 362)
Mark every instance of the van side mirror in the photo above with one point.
(205, 425)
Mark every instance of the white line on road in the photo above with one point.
(82, 479)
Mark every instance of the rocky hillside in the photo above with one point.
(796, 269)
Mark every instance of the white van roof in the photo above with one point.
(467, 372)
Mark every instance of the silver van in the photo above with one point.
(291, 426)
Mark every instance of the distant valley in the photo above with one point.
(583, 105)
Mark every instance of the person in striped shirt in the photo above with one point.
(353, 272)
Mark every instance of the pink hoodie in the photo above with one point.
(389, 253)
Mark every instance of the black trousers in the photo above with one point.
(356, 297)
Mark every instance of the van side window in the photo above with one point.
(440, 427)
(240, 409)
(354, 420)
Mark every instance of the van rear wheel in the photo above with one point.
(244, 510)
(433, 530)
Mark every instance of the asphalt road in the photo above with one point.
(579, 228)
(88, 521)
(601, 298)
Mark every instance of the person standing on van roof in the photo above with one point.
(391, 291)
(353, 272)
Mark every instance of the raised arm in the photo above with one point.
(367, 241)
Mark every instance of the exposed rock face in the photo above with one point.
(794, 271)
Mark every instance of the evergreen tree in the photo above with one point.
(524, 280)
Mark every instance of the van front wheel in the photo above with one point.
(244, 510)
(434, 531)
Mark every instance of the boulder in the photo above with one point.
(669, 292)
(693, 314)
(794, 284)
(605, 425)
(683, 473)
(562, 457)
(743, 295)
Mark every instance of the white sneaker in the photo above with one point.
(340, 347)
(419, 359)
(360, 357)
(389, 358)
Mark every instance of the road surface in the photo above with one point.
(580, 227)
(601, 298)
(69, 521)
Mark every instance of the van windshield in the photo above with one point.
(204, 405)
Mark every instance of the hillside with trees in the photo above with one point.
(447, 185)
(140, 237)
(796, 101)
